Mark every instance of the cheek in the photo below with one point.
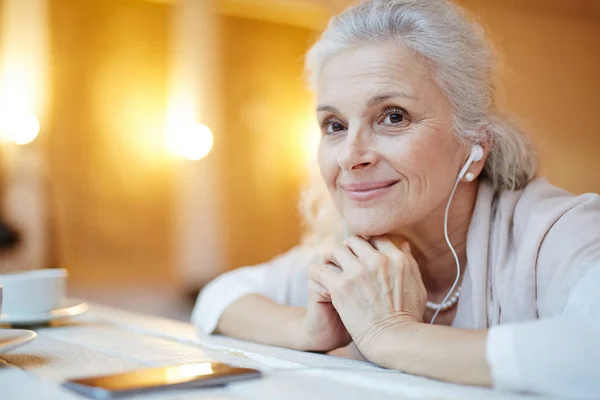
(328, 165)
(408, 155)
(422, 158)
(441, 163)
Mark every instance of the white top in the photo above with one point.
(533, 279)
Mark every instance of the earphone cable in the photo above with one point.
(451, 249)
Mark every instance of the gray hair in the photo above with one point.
(464, 67)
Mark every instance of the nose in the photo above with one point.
(356, 151)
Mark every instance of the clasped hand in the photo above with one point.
(360, 291)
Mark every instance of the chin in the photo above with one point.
(369, 222)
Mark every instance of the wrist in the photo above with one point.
(385, 348)
(298, 340)
(301, 338)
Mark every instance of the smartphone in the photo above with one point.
(154, 379)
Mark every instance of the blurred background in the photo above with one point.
(148, 146)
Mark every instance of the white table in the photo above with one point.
(108, 340)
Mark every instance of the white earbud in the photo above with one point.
(476, 155)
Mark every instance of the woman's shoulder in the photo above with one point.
(542, 195)
(540, 205)
(556, 233)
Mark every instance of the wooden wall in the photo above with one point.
(112, 181)
(268, 117)
(550, 78)
(110, 173)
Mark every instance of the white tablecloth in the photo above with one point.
(108, 340)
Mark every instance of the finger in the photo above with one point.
(360, 246)
(385, 245)
(324, 274)
(364, 251)
(405, 247)
(400, 256)
(330, 260)
(346, 259)
(319, 291)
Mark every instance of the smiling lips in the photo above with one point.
(368, 190)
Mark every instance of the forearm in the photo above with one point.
(439, 352)
(259, 319)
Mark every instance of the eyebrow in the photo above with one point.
(330, 109)
(390, 95)
(373, 102)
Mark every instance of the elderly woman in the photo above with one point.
(457, 262)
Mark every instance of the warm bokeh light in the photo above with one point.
(23, 71)
(312, 139)
(190, 140)
(19, 128)
(305, 136)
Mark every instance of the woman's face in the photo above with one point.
(387, 153)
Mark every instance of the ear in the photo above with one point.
(486, 143)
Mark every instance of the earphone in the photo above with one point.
(476, 155)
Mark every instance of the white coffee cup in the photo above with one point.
(33, 292)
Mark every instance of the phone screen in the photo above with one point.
(149, 379)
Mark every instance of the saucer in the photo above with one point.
(10, 339)
(66, 310)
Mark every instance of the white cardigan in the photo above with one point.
(532, 278)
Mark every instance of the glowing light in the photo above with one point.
(306, 136)
(195, 369)
(183, 372)
(23, 72)
(312, 138)
(19, 128)
(190, 140)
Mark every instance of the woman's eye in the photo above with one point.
(333, 127)
(394, 116)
